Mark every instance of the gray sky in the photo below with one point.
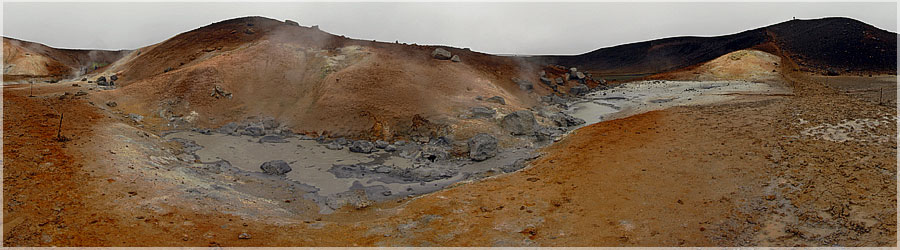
(500, 28)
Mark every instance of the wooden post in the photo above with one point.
(59, 128)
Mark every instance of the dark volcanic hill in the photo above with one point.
(841, 44)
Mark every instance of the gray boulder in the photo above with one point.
(483, 112)
(573, 71)
(566, 120)
(381, 144)
(580, 76)
(276, 167)
(364, 147)
(521, 122)
(455, 58)
(559, 81)
(254, 130)
(112, 104)
(334, 146)
(579, 89)
(270, 123)
(546, 80)
(229, 128)
(390, 148)
(441, 54)
(497, 99)
(114, 78)
(482, 147)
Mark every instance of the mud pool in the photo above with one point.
(341, 177)
(639, 97)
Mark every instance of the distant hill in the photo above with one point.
(23, 60)
(837, 44)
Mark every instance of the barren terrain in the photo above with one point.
(747, 148)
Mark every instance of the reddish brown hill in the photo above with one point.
(844, 44)
(27, 60)
(315, 82)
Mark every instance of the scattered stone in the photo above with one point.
(521, 122)
(441, 54)
(84, 79)
(75, 85)
(497, 99)
(390, 148)
(362, 147)
(80, 93)
(546, 81)
(559, 81)
(455, 58)
(482, 147)
(244, 236)
(334, 146)
(566, 120)
(523, 84)
(270, 123)
(111, 104)
(580, 76)
(114, 78)
(102, 81)
(483, 112)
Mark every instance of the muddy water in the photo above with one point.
(645, 96)
(313, 164)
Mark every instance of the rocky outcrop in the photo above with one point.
(482, 147)
(579, 89)
(364, 147)
(441, 54)
(521, 122)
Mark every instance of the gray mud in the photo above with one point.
(336, 178)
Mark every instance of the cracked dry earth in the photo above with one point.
(816, 168)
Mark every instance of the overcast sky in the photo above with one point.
(500, 28)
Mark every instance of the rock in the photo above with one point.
(244, 236)
(291, 22)
(75, 85)
(229, 128)
(483, 112)
(543, 73)
(553, 99)
(572, 71)
(482, 147)
(381, 144)
(272, 139)
(254, 130)
(390, 148)
(441, 54)
(167, 69)
(101, 79)
(276, 167)
(497, 99)
(579, 89)
(114, 78)
(341, 141)
(566, 120)
(136, 117)
(521, 122)
(580, 76)
(270, 123)
(80, 93)
(334, 146)
(364, 147)
(83, 79)
(455, 58)
(219, 92)
(567, 77)
(433, 153)
(546, 81)
(548, 134)
(204, 131)
(112, 104)
(559, 81)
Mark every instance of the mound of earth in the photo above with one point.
(24, 60)
(749, 65)
(315, 82)
(837, 44)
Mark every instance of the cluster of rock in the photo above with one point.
(263, 127)
(581, 79)
(101, 81)
(442, 54)
(523, 84)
